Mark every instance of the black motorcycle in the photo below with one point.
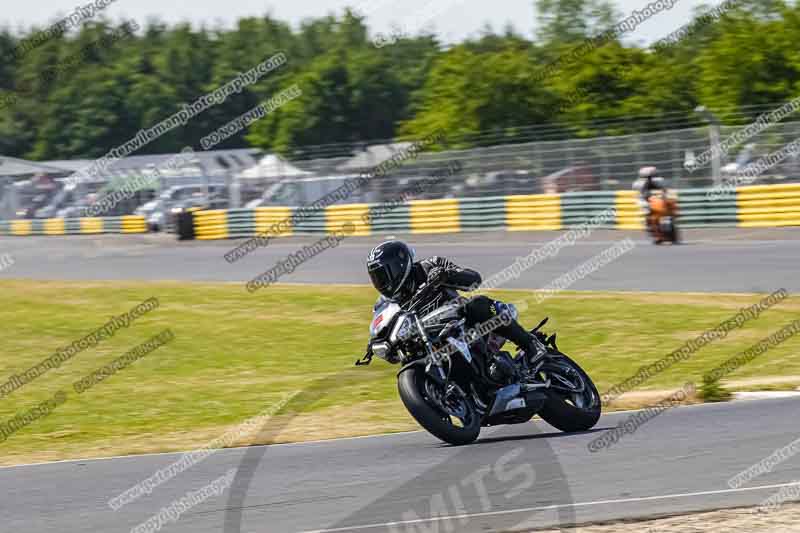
(453, 384)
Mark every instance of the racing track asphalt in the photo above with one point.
(719, 260)
(677, 462)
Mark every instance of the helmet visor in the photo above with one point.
(386, 278)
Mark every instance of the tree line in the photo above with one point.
(78, 94)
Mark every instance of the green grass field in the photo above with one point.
(234, 354)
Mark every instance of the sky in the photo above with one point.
(452, 20)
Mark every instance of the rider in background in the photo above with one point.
(647, 184)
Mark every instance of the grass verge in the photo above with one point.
(234, 354)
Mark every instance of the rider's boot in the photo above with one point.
(523, 339)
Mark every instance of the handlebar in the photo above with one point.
(421, 294)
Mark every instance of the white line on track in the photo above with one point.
(555, 507)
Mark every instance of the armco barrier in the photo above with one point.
(697, 210)
(630, 214)
(751, 206)
(309, 221)
(212, 224)
(54, 226)
(768, 205)
(396, 220)
(74, 226)
(581, 207)
(267, 218)
(90, 225)
(239, 222)
(482, 213)
(435, 216)
(338, 215)
(533, 212)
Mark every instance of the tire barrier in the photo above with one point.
(698, 210)
(185, 226)
(750, 207)
(73, 226)
(533, 212)
(755, 206)
(477, 214)
(339, 215)
(396, 220)
(213, 224)
(630, 214)
(581, 207)
(435, 216)
(760, 206)
(268, 219)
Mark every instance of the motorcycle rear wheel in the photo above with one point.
(566, 411)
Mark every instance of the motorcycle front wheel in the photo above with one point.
(446, 415)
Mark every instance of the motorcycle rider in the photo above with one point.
(647, 184)
(397, 276)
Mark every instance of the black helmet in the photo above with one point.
(389, 267)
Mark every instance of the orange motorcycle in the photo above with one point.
(662, 222)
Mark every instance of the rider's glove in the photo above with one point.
(436, 275)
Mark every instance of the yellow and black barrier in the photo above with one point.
(756, 206)
(750, 206)
(534, 212)
(73, 226)
(760, 206)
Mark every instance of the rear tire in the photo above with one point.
(669, 232)
(563, 412)
(411, 386)
(676, 235)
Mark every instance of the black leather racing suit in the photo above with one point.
(452, 278)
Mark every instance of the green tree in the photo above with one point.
(467, 93)
(571, 21)
(321, 115)
(752, 60)
(353, 92)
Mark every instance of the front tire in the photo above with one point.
(416, 389)
(570, 411)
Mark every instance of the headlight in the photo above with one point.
(385, 352)
(176, 210)
(402, 330)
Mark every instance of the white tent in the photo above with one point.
(372, 156)
(273, 167)
(13, 166)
